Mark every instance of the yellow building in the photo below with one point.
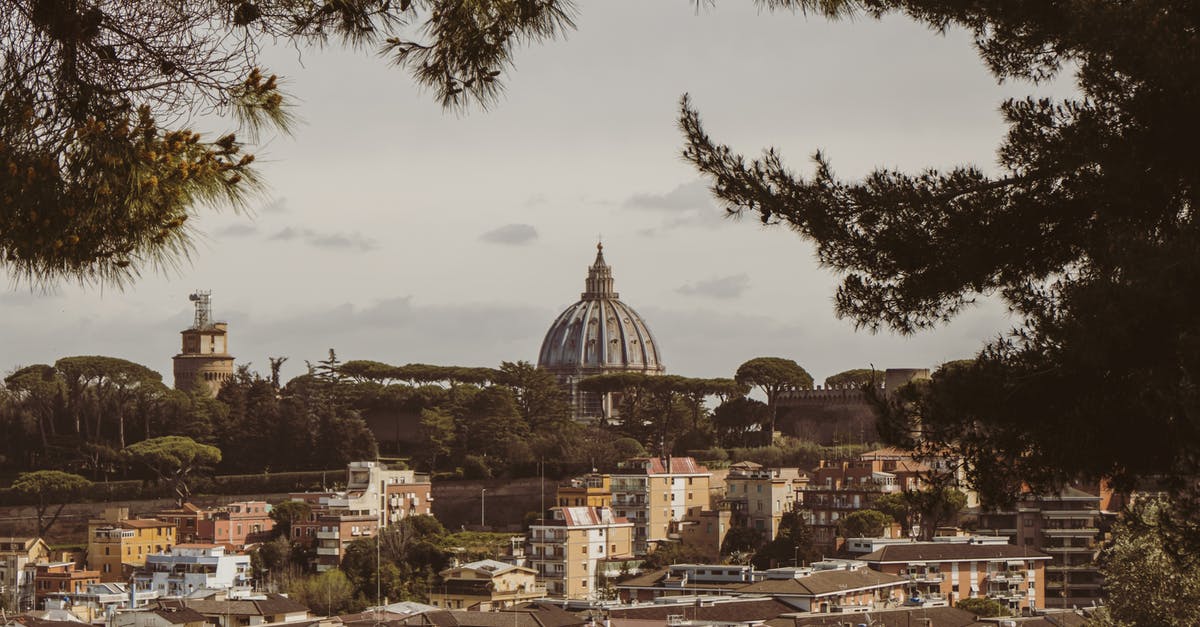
(576, 550)
(758, 497)
(118, 544)
(16, 582)
(656, 495)
(486, 583)
(591, 490)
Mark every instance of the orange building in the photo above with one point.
(51, 577)
(955, 570)
(118, 544)
(590, 490)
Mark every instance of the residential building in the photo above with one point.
(839, 488)
(51, 577)
(246, 611)
(657, 494)
(955, 568)
(846, 588)
(687, 580)
(335, 532)
(186, 568)
(237, 524)
(98, 601)
(170, 615)
(590, 490)
(118, 544)
(1066, 525)
(534, 614)
(16, 579)
(758, 497)
(186, 519)
(704, 531)
(486, 583)
(577, 550)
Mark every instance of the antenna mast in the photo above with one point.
(203, 308)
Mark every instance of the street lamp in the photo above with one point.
(482, 507)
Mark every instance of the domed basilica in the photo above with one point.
(598, 335)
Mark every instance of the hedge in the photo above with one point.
(276, 482)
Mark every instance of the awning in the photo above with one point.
(974, 588)
(1016, 562)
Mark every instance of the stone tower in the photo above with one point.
(203, 361)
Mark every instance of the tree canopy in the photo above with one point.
(174, 458)
(1088, 232)
(98, 173)
(50, 487)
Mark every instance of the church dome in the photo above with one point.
(599, 333)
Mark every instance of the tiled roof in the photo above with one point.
(145, 523)
(583, 516)
(177, 615)
(950, 552)
(720, 611)
(658, 466)
(272, 605)
(526, 616)
(937, 617)
(824, 582)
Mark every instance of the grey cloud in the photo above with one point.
(511, 234)
(685, 197)
(725, 287)
(275, 205)
(535, 200)
(237, 229)
(326, 240)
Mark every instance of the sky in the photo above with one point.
(398, 232)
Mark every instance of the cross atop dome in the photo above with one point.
(599, 283)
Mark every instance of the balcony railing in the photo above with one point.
(327, 551)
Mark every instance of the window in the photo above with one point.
(583, 550)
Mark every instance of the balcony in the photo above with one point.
(329, 535)
(926, 577)
(321, 550)
(1006, 576)
(1058, 532)
(1069, 549)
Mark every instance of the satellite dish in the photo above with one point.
(193, 297)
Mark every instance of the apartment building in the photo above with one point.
(486, 584)
(578, 548)
(656, 494)
(236, 524)
(52, 577)
(16, 579)
(758, 497)
(1067, 526)
(950, 569)
(590, 490)
(839, 488)
(117, 544)
(186, 568)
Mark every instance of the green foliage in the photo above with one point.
(173, 459)
(983, 607)
(49, 487)
(98, 180)
(864, 523)
(668, 553)
(286, 514)
(1087, 232)
(857, 377)
(793, 545)
(772, 375)
(409, 556)
(740, 421)
(1151, 578)
(742, 539)
(327, 594)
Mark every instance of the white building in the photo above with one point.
(187, 568)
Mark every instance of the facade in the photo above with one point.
(960, 568)
(169, 615)
(846, 588)
(599, 334)
(657, 494)
(186, 568)
(16, 579)
(56, 577)
(203, 361)
(486, 583)
(375, 497)
(758, 497)
(117, 544)
(237, 524)
(1066, 526)
(98, 601)
(591, 490)
(704, 531)
(839, 488)
(578, 549)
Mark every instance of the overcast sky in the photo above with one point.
(397, 232)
